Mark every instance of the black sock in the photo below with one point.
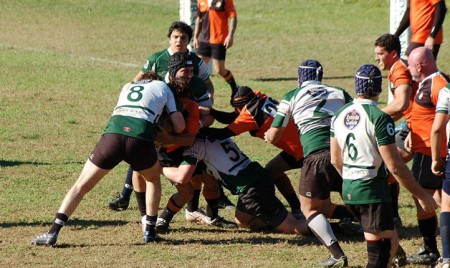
(140, 198)
(58, 223)
(193, 204)
(428, 229)
(167, 214)
(212, 209)
(128, 187)
(378, 253)
(150, 224)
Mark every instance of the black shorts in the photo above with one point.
(174, 159)
(259, 200)
(291, 161)
(421, 169)
(217, 52)
(446, 182)
(374, 218)
(170, 159)
(319, 177)
(111, 149)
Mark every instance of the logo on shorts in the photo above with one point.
(308, 194)
(351, 119)
(349, 196)
(127, 129)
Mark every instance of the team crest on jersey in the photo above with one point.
(351, 119)
(127, 129)
(349, 196)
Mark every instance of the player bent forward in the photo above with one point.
(128, 137)
(257, 206)
(362, 138)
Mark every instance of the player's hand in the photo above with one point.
(429, 43)
(408, 143)
(437, 167)
(228, 42)
(204, 110)
(427, 203)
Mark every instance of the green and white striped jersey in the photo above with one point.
(311, 107)
(443, 103)
(360, 128)
(139, 106)
(224, 161)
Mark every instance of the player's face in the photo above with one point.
(178, 41)
(384, 58)
(186, 72)
(413, 68)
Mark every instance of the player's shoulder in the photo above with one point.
(163, 54)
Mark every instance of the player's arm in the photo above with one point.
(279, 123)
(198, 25)
(223, 117)
(229, 40)
(181, 174)
(439, 17)
(336, 155)
(404, 176)
(404, 23)
(400, 103)
(437, 137)
(218, 133)
(178, 122)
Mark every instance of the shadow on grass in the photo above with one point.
(12, 163)
(73, 223)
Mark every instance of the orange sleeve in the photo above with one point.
(229, 7)
(243, 123)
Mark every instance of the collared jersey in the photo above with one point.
(360, 128)
(421, 20)
(214, 15)
(257, 116)
(422, 116)
(139, 106)
(224, 161)
(159, 63)
(399, 75)
(311, 106)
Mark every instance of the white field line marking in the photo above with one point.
(40, 50)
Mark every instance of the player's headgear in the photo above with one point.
(309, 70)
(177, 61)
(242, 96)
(368, 80)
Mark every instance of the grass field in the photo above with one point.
(62, 65)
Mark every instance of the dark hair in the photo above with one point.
(389, 42)
(181, 27)
(180, 88)
(151, 75)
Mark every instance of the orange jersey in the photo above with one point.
(214, 28)
(399, 75)
(257, 116)
(422, 116)
(421, 20)
(191, 116)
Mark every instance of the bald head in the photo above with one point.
(421, 63)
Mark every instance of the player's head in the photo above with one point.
(421, 63)
(368, 81)
(180, 34)
(180, 66)
(242, 96)
(387, 51)
(309, 70)
(389, 42)
(151, 75)
(182, 27)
